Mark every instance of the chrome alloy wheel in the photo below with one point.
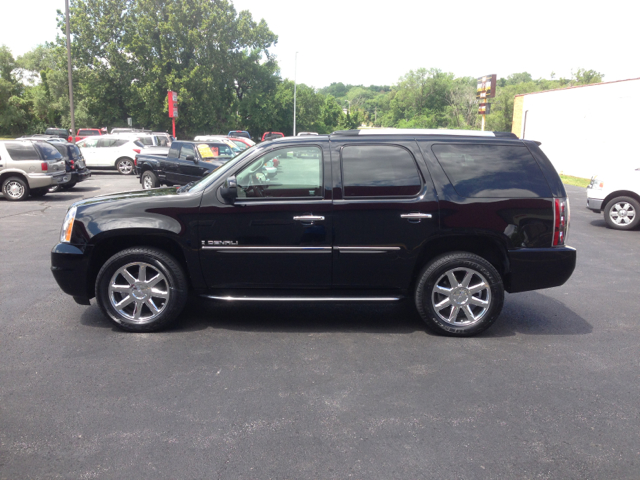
(14, 189)
(622, 213)
(461, 297)
(147, 183)
(125, 166)
(139, 292)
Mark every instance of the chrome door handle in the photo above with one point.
(309, 218)
(416, 216)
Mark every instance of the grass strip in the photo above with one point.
(577, 181)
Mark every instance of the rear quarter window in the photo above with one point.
(21, 151)
(48, 151)
(492, 171)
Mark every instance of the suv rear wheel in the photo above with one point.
(15, 188)
(125, 166)
(459, 294)
(141, 289)
(622, 213)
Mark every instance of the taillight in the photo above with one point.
(561, 215)
(135, 161)
(137, 150)
(44, 166)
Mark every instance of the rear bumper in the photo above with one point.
(70, 268)
(80, 176)
(39, 180)
(536, 268)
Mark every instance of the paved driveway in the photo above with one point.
(328, 391)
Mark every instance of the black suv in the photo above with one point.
(450, 219)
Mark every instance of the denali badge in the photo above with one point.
(219, 242)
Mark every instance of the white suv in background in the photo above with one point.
(111, 151)
(618, 196)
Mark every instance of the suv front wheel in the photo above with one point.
(459, 294)
(141, 289)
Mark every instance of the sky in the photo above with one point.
(375, 43)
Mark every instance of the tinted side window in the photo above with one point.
(62, 149)
(74, 153)
(379, 170)
(22, 151)
(146, 140)
(174, 151)
(48, 151)
(492, 171)
(187, 149)
(108, 142)
(120, 142)
(87, 133)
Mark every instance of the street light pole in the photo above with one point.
(295, 91)
(73, 121)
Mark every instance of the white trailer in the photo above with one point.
(584, 130)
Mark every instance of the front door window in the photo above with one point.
(292, 172)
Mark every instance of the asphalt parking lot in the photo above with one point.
(328, 391)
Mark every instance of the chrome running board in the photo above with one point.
(230, 298)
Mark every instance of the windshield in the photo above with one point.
(218, 172)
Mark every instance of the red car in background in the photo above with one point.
(87, 132)
(271, 136)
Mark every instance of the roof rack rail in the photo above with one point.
(421, 131)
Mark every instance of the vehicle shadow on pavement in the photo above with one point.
(598, 223)
(533, 313)
(201, 314)
(528, 313)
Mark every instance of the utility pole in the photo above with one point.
(295, 91)
(73, 121)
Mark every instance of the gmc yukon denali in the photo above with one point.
(447, 219)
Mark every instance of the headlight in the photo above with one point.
(596, 183)
(67, 225)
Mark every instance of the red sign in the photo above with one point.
(172, 97)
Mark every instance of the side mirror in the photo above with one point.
(192, 158)
(230, 190)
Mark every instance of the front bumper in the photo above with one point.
(536, 268)
(70, 268)
(595, 204)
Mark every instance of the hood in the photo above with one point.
(128, 196)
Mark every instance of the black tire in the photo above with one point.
(125, 166)
(39, 192)
(149, 180)
(69, 186)
(458, 323)
(15, 189)
(112, 287)
(622, 213)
